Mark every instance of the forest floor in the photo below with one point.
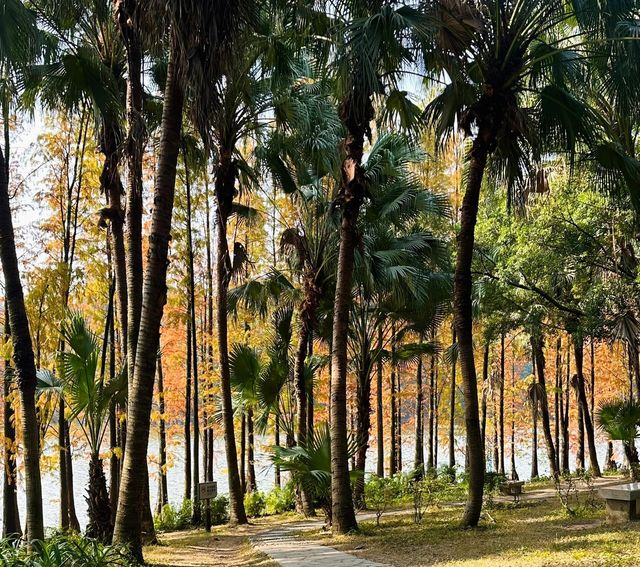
(536, 532)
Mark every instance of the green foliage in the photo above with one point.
(219, 507)
(255, 503)
(280, 500)
(620, 419)
(64, 551)
(171, 519)
(379, 494)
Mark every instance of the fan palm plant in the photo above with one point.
(510, 71)
(88, 397)
(621, 420)
(310, 465)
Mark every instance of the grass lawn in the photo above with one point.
(532, 534)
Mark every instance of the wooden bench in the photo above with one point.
(512, 488)
(623, 502)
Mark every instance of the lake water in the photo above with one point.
(264, 472)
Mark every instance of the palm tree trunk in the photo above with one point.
(452, 411)
(134, 478)
(352, 194)
(276, 434)
(99, 526)
(10, 513)
(593, 381)
(582, 397)
(398, 423)
(24, 362)
(514, 472)
(299, 382)
(310, 394)
(224, 190)
(565, 423)
(464, 329)
(62, 460)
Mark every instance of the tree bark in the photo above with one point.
(418, 460)
(187, 411)
(10, 513)
(537, 343)
(163, 492)
(433, 438)
(483, 408)
(578, 347)
(452, 410)
(226, 174)
(464, 328)
(134, 478)
(251, 469)
(393, 453)
(501, 468)
(379, 408)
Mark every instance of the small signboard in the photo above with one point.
(208, 490)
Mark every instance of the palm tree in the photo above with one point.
(208, 29)
(620, 420)
(19, 42)
(499, 56)
(89, 398)
(370, 54)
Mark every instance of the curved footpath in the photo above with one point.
(282, 544)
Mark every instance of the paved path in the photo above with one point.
(282, 545)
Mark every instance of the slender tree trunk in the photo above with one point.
(582, 396)
(224, 190)
(398, 422)
(464, 328)
(310, 393)
(379, 408)
(514, 471)
(278, 479)
(24, 362)
(196, 516)
(243, 453)
(433, 440)
(483, 408)
(299, 381)
(187, 411)
(452, 409)
(10, 513)
(418, 460)
(134, 477)
(62, 463)
(363, 424)
(593, 382)
(163, 492)
(558, 401)
(251, 469)
(501, 468)
(565, 423)
(393, 453)
(537, 343)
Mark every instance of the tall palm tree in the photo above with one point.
(206, 29)
(505, 60)
(369, 57)
(19, 42)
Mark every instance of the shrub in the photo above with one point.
(379, 494)
(171, 519)
(281, 500)
(255, 503)
(64, 551)
(219, 510)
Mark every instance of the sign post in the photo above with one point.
(208, 491)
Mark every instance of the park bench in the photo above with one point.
(512, 488)
(623, 502)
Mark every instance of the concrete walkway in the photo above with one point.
(282, 545)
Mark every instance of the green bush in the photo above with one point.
(64, 551)
(171, 519)
(255, 503)
(379, 494)
(281, 500)
(219, 510)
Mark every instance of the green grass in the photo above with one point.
(531, 534)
